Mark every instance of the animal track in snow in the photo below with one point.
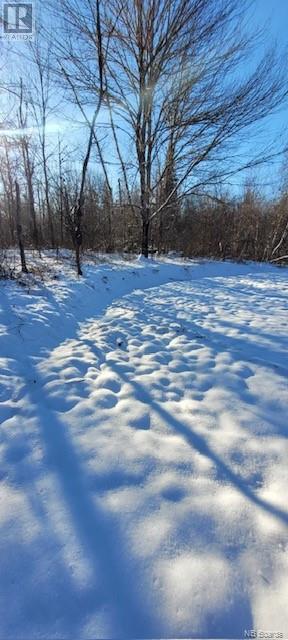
(173, 493)
(107, 381)
(141, 422)
(104, 399)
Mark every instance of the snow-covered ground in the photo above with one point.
(143, 452)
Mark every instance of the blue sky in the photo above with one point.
(277, 14)
(274, 15)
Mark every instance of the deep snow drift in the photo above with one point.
(143, 453)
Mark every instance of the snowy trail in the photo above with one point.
(143, 456)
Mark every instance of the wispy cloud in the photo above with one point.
(58, 126)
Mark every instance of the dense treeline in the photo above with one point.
(242, 228)
(169, 80)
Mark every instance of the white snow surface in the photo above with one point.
(143, 452)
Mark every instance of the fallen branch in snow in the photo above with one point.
(278, 259)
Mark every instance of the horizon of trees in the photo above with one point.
(170, 80)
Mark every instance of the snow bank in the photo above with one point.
(143, 452)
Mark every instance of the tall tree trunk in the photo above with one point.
(160, 233)
(32, 211)
(61, 195)
(48, 205)
(19, 229)
(78, 208)
(145, 238)
(78, 235)
(78, 261)
(28, 167)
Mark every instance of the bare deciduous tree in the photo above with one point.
(175, 77)
(39, 99)
(28, 160)
(19, 228)
(67, 65)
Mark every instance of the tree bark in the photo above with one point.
(145, 238)
(78, 261)
(19, 229)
